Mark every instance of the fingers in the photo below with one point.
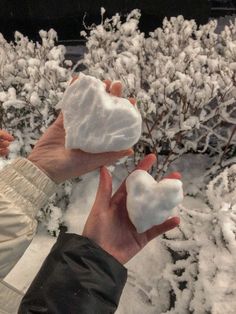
(108, 85)
(116, 89)
(4, 152)
(147, 162)
(144, 164)
(104, 191)
(4, 144)
(132, 100)
(110, 157)
(59, 120)
(74, 78)
(5, 141)
(162, 228)
(107, 82)
(4, 135)
(173, 175)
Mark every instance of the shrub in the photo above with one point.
(183, 78)
(201, 276)
(33, 77)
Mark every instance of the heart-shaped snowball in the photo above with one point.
(96, 121)
(149, 202)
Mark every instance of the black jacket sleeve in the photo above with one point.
(77, 277)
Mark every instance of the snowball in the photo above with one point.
(96, 121)
(150, 203)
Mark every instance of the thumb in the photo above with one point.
(74, 78)
(104, 191)
(162, 228)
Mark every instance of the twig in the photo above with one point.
(150, 136)
(227, 145)
(158, 119)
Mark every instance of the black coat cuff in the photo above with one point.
(77, 277)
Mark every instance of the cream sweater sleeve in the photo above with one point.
(24, 189)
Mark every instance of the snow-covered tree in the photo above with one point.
(183, 78)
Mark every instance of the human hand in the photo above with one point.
(60, 164)
(109, 225)
(5, 141)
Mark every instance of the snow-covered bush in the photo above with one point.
(52, 215)
(183, 78)
(33, 77)
(202, 275)
(184, 81)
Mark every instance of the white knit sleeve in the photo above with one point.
(24, 189)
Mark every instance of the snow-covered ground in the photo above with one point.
(146, 288)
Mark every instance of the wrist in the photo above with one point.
(109, 249)
(105, 248)
(43, 168)
(30, 188)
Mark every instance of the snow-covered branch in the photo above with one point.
(182, 76)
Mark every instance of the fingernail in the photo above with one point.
(105, 169)
(115, 82)
(131, 152)
(109, 172)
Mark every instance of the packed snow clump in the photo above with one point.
(96, 121)
(150, 203)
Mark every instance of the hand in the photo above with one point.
(109, 225)
(5, 141)
(60, 164)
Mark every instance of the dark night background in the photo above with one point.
(29, 16)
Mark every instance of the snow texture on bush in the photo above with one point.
(183, 78)
(202, 273)
(184, 81)
(33, 77)
(191, 269)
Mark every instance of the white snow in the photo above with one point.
(97, 122)
(149, 202)
(190, 268)
(152, 273)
